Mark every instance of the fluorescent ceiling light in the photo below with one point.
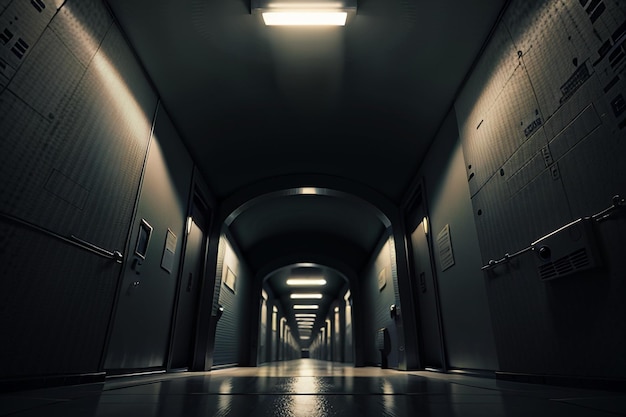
(307, 320)
(305, 18)
(304, 13)
(306, 307)
(305, 337)
(313, 282)
(308, 191)
(306, 315)
(307, 296)
(278, 5)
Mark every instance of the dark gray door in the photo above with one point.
(189, 289)
(428, 317)
(141, 331)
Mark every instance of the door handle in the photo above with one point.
(189, 281)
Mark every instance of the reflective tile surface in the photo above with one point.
(310, 388)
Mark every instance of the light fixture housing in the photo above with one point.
(306, 296)
(304, 12)
(306, 282)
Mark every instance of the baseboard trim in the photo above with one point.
(606, 384)
(49, 381)
(480, 373)
(123, 373)
(223, 366)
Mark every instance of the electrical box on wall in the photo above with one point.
(568, 250)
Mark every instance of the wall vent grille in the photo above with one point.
(575, 261)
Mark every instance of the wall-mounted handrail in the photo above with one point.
(618, 203)
(117, 256)
(506, 258)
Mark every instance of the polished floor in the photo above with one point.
(310, 388)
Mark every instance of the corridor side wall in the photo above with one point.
(543, 127)
(76, 112)
(379, 286)
(466, 319)
(232, 282)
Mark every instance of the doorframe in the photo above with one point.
(418, 199)
(195, 195)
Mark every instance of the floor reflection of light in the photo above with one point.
(225, 401)
(226, 387)
(305, 402)
(389, 398)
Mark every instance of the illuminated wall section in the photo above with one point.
(543, 129)
(379, 287)
(232, 293)
(76, 112)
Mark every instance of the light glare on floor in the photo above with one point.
(304, 18)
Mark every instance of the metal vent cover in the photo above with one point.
(569, 264)
(566, 251)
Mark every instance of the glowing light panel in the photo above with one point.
(305, 18)
(312, 282)
(307, 296)
(306, 307)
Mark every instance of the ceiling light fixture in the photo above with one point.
(304, 13)
(306, 307)
(305, 18)
(298, 315)
(307, 296)
(306, 282)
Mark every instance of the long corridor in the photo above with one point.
(309, 388)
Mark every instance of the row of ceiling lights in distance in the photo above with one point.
(306, 320)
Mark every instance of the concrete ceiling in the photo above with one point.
(359, 104)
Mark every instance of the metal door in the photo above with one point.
(189, 287)
(428, 315)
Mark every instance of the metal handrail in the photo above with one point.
(618, 203)
(117, 256)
